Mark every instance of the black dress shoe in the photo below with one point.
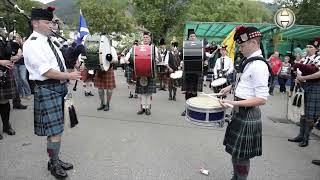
(19, 106)
(130, 96)
(58, 172)
(174, 98)
(86, 94)
(1, 137)
(100, 108)
(90, 94)
(66, 166)
(296, 139)
(141, 111)
(148, 112)
(316, 162)
(170, 98)
(106, 108)
(183, 113)
(304, 143)
(9, 131)
(135, 96)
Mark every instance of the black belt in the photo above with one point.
(243, 107)
(47, 82)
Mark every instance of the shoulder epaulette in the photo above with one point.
(33, 38)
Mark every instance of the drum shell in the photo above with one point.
(92, 60)
(193, 55)
(144, 60)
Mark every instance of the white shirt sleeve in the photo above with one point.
(216, 67)
(127, 57)
(231, 66)
(166, 59)
(260, 75)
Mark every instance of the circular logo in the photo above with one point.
(284, 18)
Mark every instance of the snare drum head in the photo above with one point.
(104, 49)
(203, 102)
(218, 82)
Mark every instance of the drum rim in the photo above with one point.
(225, 81)
(212, 107)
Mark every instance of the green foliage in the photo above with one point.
(9, 13)
(66, 10)
(106, 16)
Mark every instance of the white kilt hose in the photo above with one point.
(48, 109)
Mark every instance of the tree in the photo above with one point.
(106, 16)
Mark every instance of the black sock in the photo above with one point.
(5, 115)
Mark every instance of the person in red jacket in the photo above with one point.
(275, 64)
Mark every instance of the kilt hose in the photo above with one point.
(48, 109)
(105, 79)
(312, 100)
(7, 91)
(243, 138)
(86, 77)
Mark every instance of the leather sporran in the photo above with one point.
(4, 77)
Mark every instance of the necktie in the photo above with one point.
(56, 55)
(222, 64)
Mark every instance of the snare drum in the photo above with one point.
(218, 84)
(205, 110)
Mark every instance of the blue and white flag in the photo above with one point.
(83, 28)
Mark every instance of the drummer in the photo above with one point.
(191, 82)
(224, 65)
(161, 66)
(243, 138)
(105, 82)
(173, 63)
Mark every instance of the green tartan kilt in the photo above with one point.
(243, 138)
(149, 89)
(312, 100)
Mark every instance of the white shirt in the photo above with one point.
(39, 57)
(254, 80)
(228, 66)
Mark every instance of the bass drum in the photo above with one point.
(98, 53)
(144, 57)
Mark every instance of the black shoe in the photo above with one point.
(317, 126)
(130, 96)
(304, 143)
(90, 94)
(9, 131)
(1, 137)
(58, 172)
(183, 113)
(174, 98)
(316, 162)
(106, 108)
(135, 96)
(100, 108)
(296, 139)
(66, 166)
(205, 85)
(148, 112)
(19, 106)
(141, 111)
(86, 94)
(170, 98)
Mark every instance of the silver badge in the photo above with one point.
(244, 37)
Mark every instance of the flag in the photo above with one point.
(230, 43)
(83, 28)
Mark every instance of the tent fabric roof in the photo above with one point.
(220, 30)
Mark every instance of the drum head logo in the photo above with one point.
(284, 18)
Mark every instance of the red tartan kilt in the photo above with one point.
(85, 76)
(105, 79)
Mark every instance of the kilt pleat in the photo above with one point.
(312, 100)
(86, 77)
(105, 79)
(130, 74)
(149, 89)
(7, 91)
(243, 138)
(48, 109)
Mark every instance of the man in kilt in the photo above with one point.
(145, 90)
(161, 66)
(129, 72)
(46, 66)
(311, 98)
(7, 84)
(173, 64)
(192, 83)
(243, 138)
(105, 82)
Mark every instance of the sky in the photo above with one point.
(46, 1)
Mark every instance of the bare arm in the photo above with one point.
(53, 74)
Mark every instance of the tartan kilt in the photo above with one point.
(86, 77)
(243, 138)
(130, 75)
(149, 89)
(192, 82)
(105, 79)
(312, 100)
(48, 109)
(8, 90)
